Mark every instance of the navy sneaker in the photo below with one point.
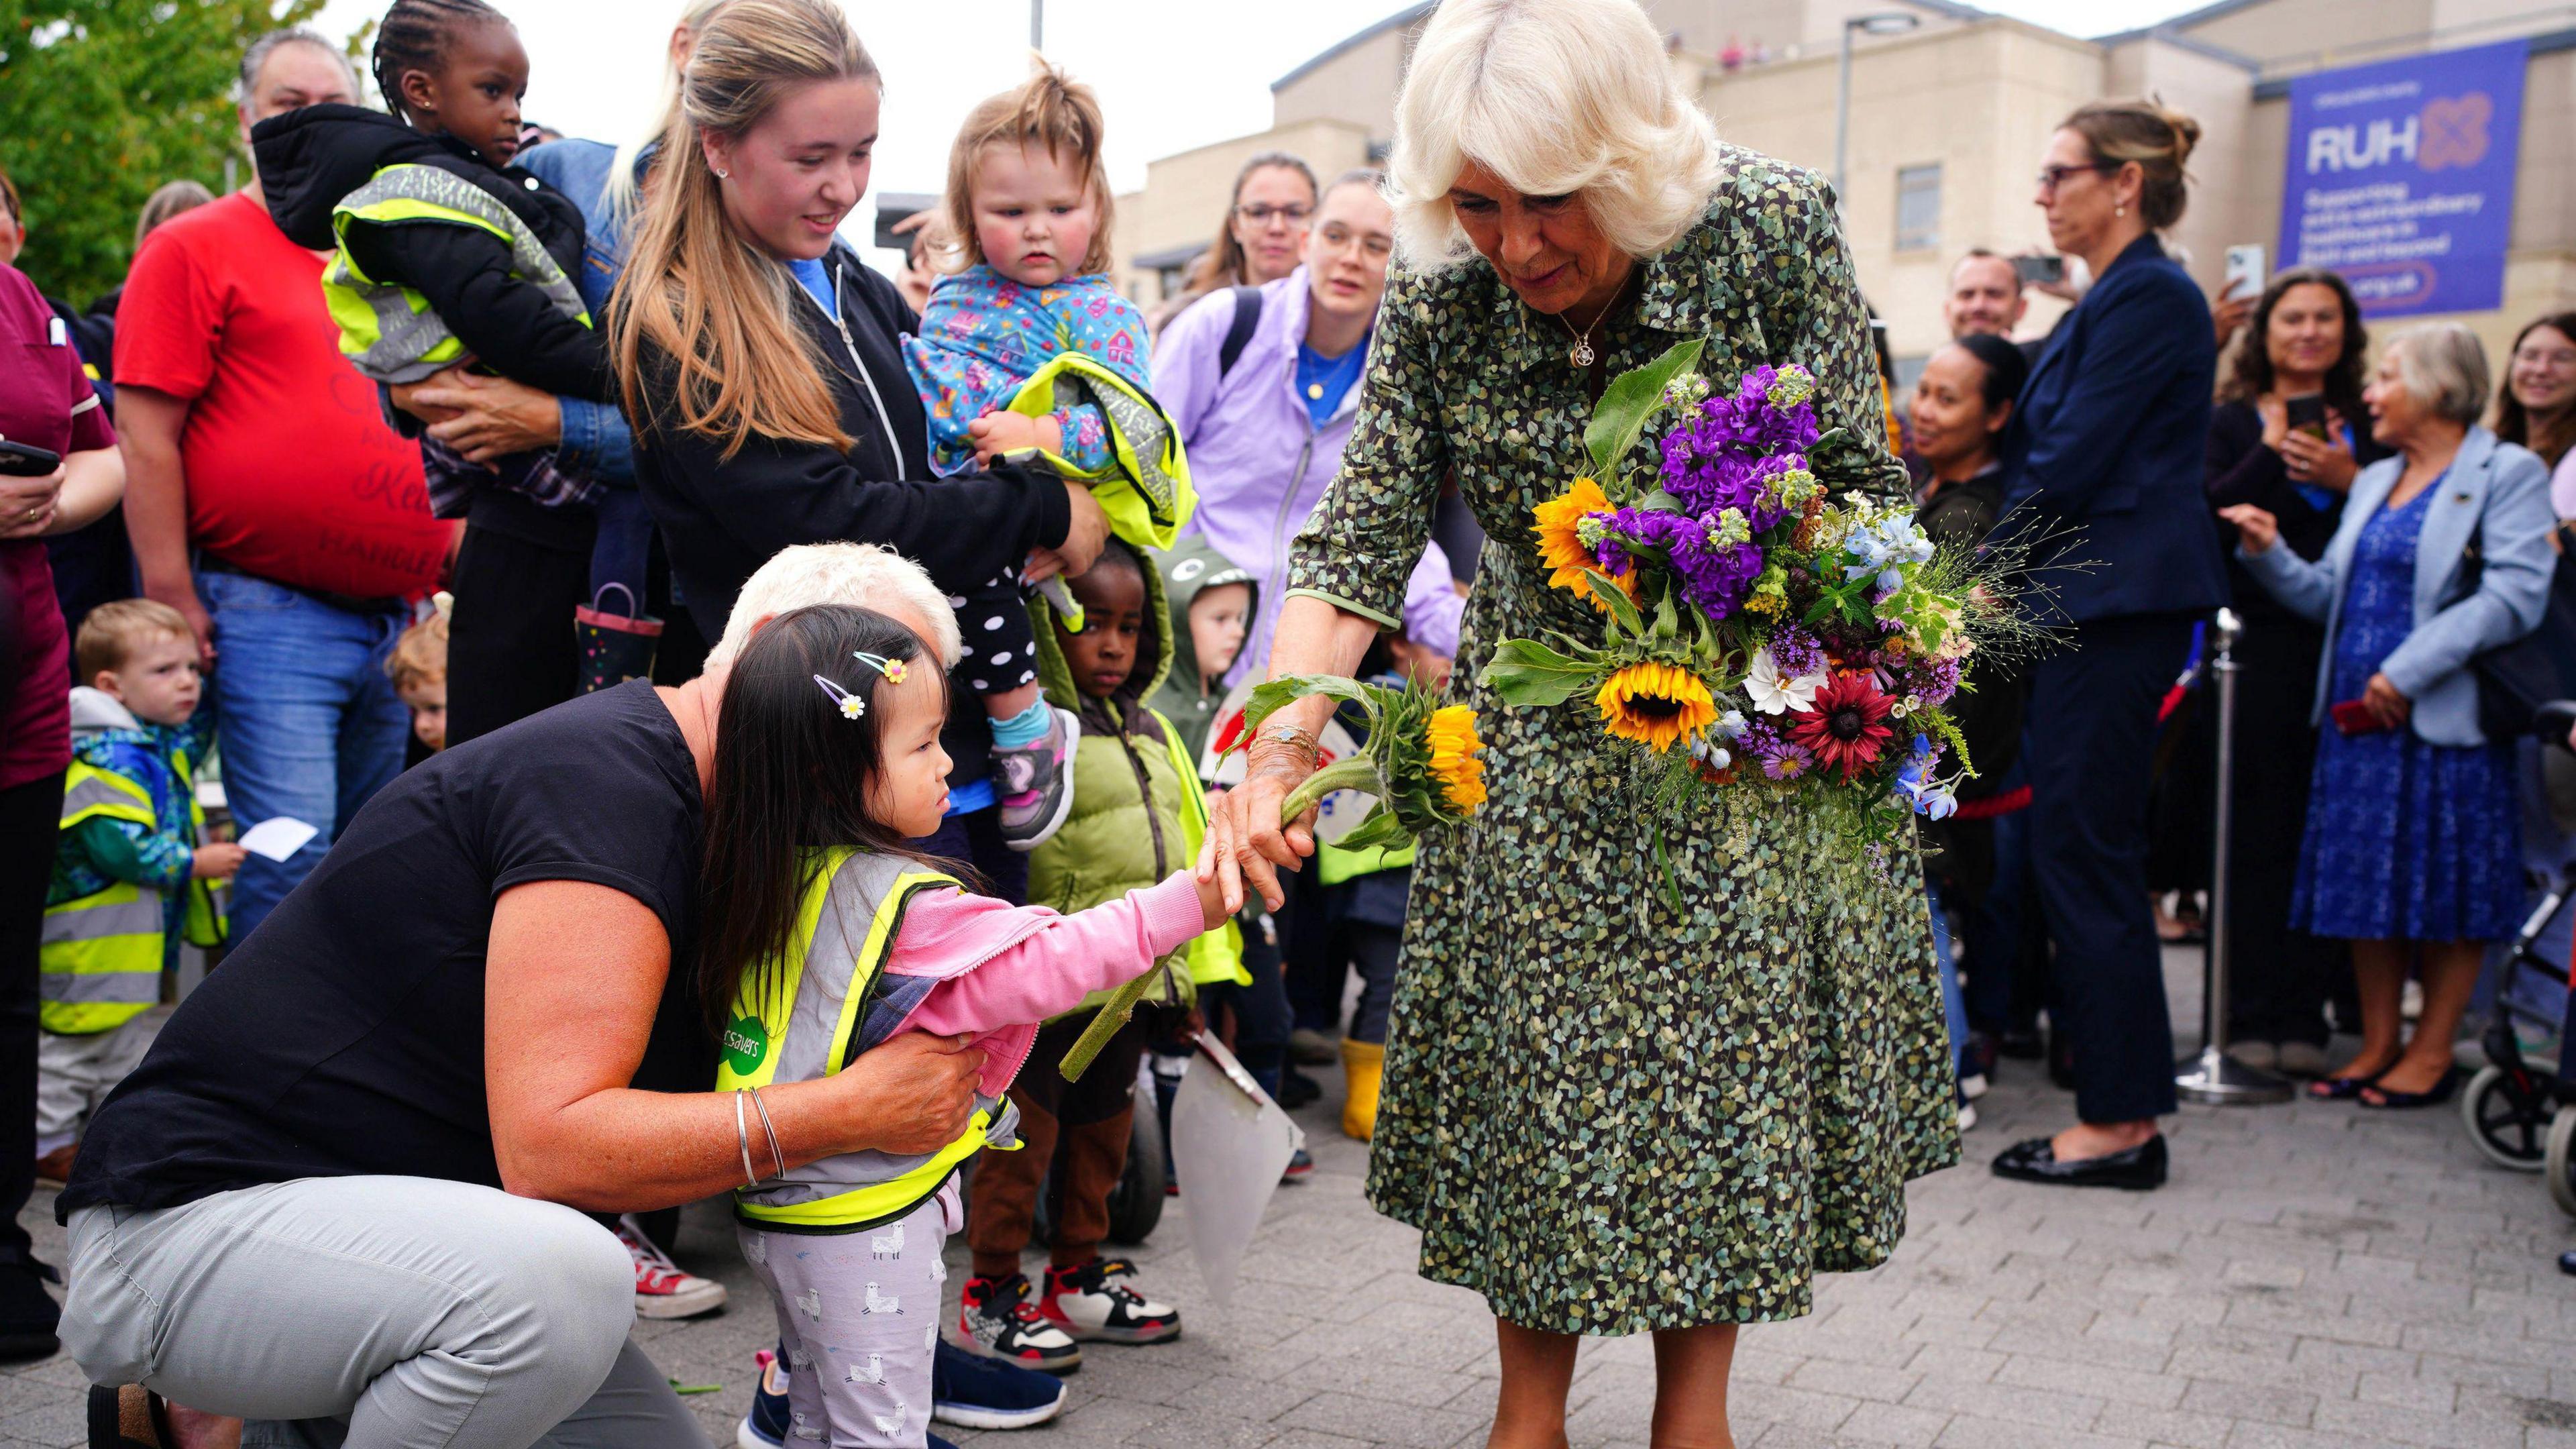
(765, 1427)
(974, 1392)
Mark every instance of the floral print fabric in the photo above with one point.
(1604, 1115)
(2406, 840)
(984, 336)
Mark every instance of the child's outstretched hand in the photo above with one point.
(217, 861)
(1212, 911)
(1000, 434)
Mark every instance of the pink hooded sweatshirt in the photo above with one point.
(1003, 969)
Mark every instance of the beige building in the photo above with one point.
(1948, 120)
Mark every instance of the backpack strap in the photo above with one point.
(1247, 317)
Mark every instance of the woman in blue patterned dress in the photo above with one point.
(2413, 843)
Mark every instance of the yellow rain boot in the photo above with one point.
(1362, 1065)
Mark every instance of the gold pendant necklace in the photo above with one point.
(1580, 354)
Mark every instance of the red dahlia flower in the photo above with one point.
(1847, 726)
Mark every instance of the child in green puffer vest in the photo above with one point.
(1138, 815)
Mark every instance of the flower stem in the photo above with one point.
(1113, 1015)
(1356, 773)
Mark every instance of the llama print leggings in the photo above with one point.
(858, 1313)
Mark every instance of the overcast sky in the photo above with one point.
(1172, 74)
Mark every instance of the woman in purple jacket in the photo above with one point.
(1263, 382)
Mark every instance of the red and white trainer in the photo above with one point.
(997, 1320)
(662, 1288)
(1089, 1301)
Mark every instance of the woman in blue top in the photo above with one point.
(2104, 463)
(2413, 844)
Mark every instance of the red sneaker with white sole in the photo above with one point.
(662, 1288)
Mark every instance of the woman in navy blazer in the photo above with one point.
(2413, 843)
(2104, 459)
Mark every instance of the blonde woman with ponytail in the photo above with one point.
(761, 362)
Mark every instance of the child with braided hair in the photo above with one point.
(448, 255)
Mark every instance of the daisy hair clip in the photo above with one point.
(852, 704)
(892, 669)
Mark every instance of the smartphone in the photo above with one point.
(24, 460)
(2353, 717)
(2244, 271)
(2040, 269)
(2307, 413)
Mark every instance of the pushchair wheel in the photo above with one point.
(2562, 1160)
(2509, 1115)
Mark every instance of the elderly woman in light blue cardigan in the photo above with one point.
(2413, 849)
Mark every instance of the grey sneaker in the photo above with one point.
(1035, 783)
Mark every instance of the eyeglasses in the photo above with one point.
(1375, 245)
(1262, 213)
(2050, 177)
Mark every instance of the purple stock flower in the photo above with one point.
(1728, 454)
(1715, 577)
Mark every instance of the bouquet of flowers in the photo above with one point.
(1419, 762)
(1759, 630)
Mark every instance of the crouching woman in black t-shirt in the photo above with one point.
(344, 1195)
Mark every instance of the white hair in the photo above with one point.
(2445, 367)
(1553, 96)
(869, 575)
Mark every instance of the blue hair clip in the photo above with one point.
(851, 706)
(892, 669)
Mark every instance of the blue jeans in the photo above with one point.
(308, 724)
(1953, 1009)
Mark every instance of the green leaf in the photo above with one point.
(1622, 608)
(1381, 828)
(1667, 625)
(1660, 501)
(1267, 698)
(1628, 401)
(1528, 674)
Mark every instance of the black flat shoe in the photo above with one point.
(2407, 1101)
(2339, 1089)
(2135, 1170)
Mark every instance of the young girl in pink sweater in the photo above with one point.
(821, 937)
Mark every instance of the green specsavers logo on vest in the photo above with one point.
(746, 1041)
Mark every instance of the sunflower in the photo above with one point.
(1847, 727)
(1655, 704)
(1453, 757)
(1561, 547)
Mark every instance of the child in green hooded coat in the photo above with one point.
(1137, 815)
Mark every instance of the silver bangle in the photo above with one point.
(742, 1139)
(776, 1154)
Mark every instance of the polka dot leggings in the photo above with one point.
(1001, 652)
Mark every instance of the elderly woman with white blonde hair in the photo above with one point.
(1607, 1111)
(2413, 847)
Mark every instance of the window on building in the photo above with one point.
(1918, 208)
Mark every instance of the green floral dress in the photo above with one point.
(1603, 1116)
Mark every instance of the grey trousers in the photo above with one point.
(858, 1314)
(375, 1313)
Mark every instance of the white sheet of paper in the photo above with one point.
(1230, 1143)
(278, 838)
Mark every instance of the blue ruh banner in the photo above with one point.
(2401, 178)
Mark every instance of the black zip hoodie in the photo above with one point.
(723, 518)
(310, 158)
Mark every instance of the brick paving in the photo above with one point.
(2314, 1278)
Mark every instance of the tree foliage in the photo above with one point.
(101, 101)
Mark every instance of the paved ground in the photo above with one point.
(2313, 1279)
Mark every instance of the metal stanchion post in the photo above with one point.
(2212, 1075)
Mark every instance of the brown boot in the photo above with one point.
(56, 1166)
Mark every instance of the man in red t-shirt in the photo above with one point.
(268, 501)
